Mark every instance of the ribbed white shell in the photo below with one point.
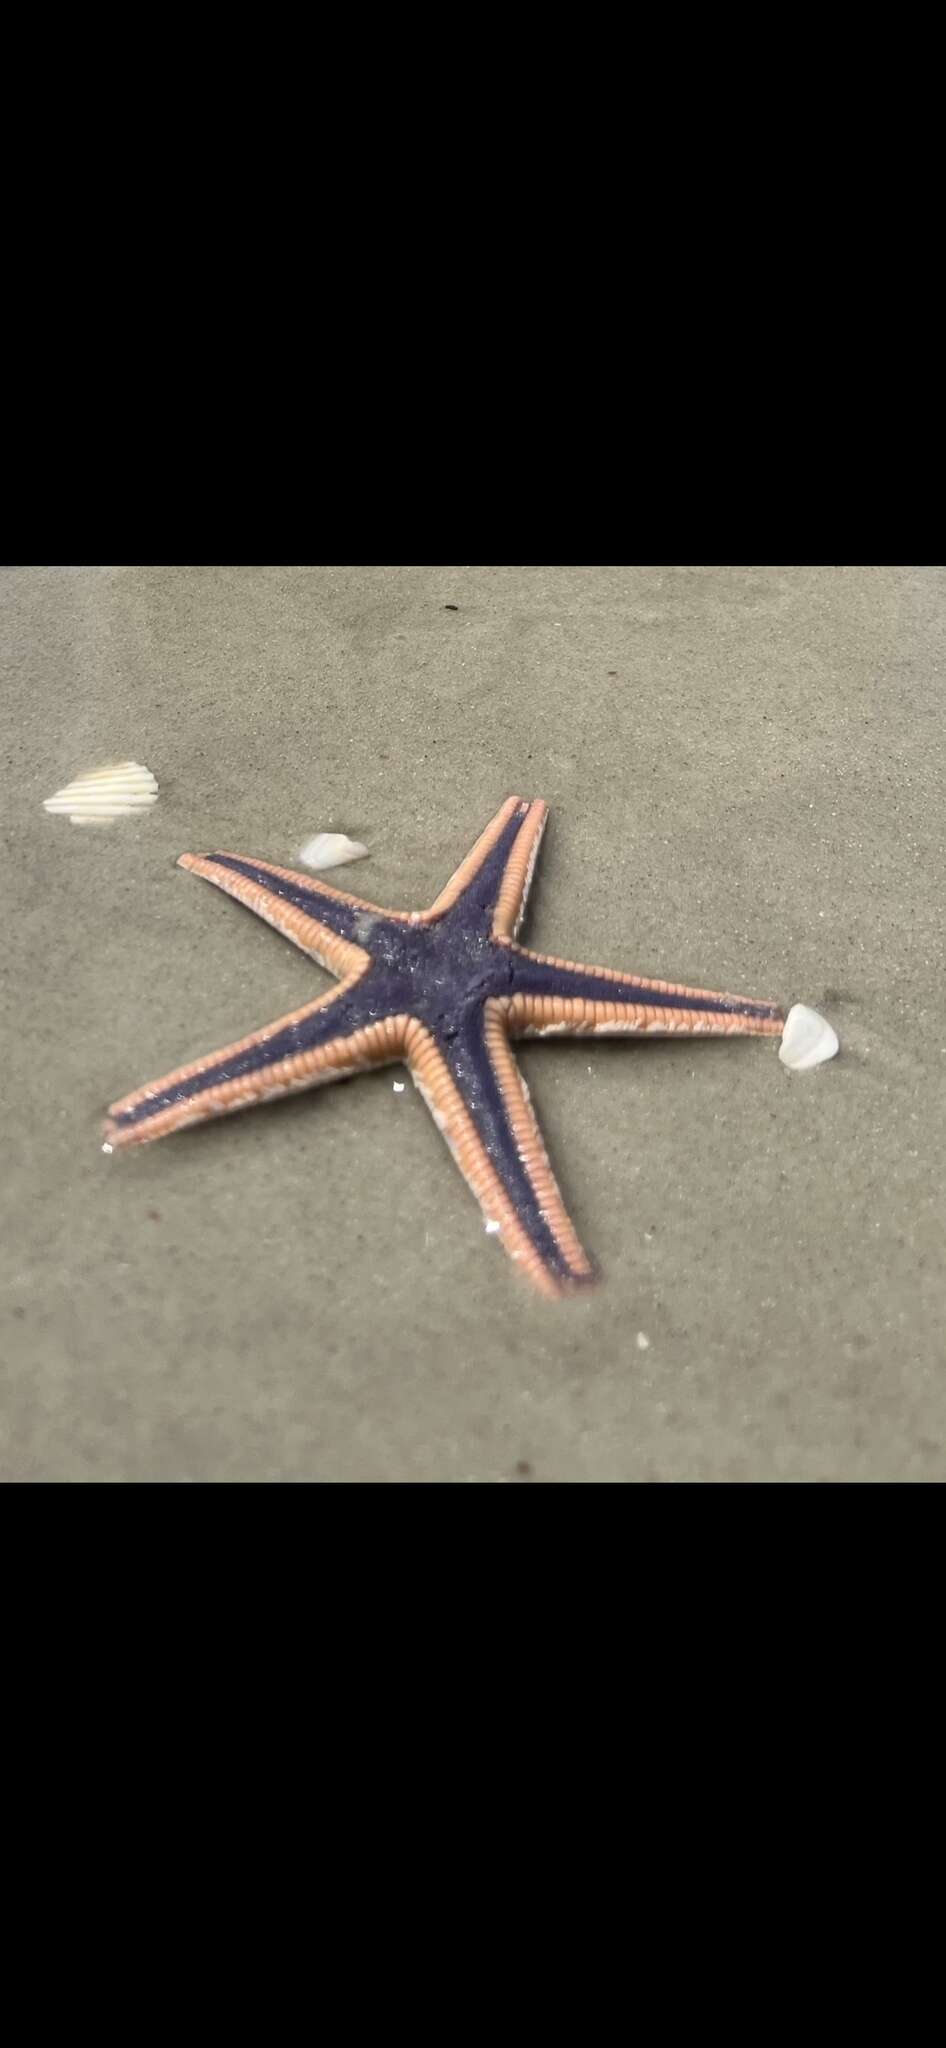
(331, 850)
(106, 793)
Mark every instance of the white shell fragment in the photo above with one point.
(807, 1039)
(331, 850)
(106, 793)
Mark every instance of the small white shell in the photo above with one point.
(331, 850)
(106, 793)
(807, 1039)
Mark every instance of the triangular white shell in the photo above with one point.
(807, 1039)
(331, 850)
(104, 794)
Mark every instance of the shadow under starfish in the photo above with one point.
(446, 990)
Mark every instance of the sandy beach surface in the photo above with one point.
(745, 769)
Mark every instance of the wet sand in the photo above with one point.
(745, 769)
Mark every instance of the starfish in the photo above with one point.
(446, 990)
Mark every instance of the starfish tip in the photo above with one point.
(565, 1286)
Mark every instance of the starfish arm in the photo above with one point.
(337, 1035)
(479, 1101)
(494, 878)
(550, 995)
(331, 926)
(518, 872)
